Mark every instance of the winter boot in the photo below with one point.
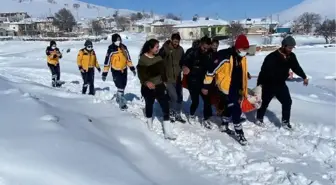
(240, 137)
(150, 123)
(207, 124)
(84, 89)
(168, 130)
(121, 100)
(260, 123)
(192, 119)
(179, 118)
(54, 80)
(225, 126)
(172, 116)
(58, 83)
(286, 125)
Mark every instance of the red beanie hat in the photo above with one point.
(242, 42)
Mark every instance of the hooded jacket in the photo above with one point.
(228, 70)
(87, 59)
(117, 58)
(53, 55)
(172, 61)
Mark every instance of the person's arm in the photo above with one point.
(79, 60)
(59, 54)
(188, 59)
(96, 61)
(266, 70)
(142, 72)
(182, 55)
(107, 62)
(129, 60)
(296, 68)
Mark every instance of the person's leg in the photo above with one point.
(160, 93)
(85, 82)
(284, 97)
(172, 99)
(149, 96)
(266, 97)
(91, 81)
(207, 110)
(53, 74)
(120, 79)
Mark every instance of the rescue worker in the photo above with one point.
(273, 76)
(172, 54)
(195, 65)
(117, 59)
(151, 73)
(53, 56)
(87, 62)
(230, 74)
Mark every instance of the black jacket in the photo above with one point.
(275, 69)
(198, 63)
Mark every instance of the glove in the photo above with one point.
(99, 70)
(55, 56)
(104, 78)
(81, 69)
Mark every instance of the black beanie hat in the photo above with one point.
(52, 43)
(88, 43)
(115, 37)
(288, 41)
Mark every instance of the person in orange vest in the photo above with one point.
(87, 62)
(53, 56)
(231, 76)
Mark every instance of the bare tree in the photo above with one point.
(122, 22)
(235, 29)
(164, 31)
(64, 20)
(307, 21)
(172, 16)
(96, 27)
(328, 30)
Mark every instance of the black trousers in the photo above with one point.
(281, 92)
(119, 78)
(195, 90)
(88, 80)
(231, 106)
(55, 73)
(160, 94)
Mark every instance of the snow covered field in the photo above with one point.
(58, 136)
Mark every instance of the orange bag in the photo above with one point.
(246, 106)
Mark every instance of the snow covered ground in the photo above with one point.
(58, 136)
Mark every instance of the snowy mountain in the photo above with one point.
(326, 8)
(43, 8)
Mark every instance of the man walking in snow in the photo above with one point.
(195, 64)
(273, 76)
(172, 54)
(87, 62)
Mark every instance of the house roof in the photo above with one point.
(201, 22)
(144, 22)
(258, 21)
(165, 22)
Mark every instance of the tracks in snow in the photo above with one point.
(273, 156)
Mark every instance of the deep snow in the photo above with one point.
(63, 137)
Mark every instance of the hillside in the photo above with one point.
(42, 8)
(326, 8)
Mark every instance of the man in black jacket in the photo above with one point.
(272, 77)
(195, 64)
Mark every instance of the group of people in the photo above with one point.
(202, 69)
